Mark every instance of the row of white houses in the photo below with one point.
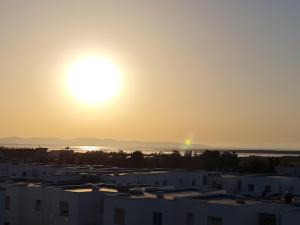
(134, 197)
(255, 185)
(27, 204)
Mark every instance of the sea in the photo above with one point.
(152, 150)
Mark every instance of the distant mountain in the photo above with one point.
(48, 142)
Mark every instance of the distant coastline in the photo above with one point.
(154, 149)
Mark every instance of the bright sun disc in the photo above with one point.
(93, 80)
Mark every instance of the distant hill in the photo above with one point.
(48, 142)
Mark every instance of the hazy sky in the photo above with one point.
(224, 73)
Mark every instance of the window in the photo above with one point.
(38, 205)
(24, 174)
(7, 202)
(189, 219)
(214, 184)
(204, 180)
(250, 187)
(268, 188)
(157, 218)
(119, 216)
(214, 220)
(219, 187)
(165, 182)
(180, 181)
(64, 208)
(266, 219)
(193, 182)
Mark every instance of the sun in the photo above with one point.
(93, 80)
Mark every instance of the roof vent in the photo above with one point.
(136, 191)
(240, 201)
(288, 198)
(160, 194)
(95, 187)
(122, 188)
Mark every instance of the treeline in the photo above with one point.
(211, 160)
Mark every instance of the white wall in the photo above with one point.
(84, 208)
(28, 170)
(278, 184)
(178, 179)
(140, 211)
(2, 211)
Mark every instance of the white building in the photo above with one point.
(178, 179)
(61, 197)
(28, 204)
(2, 200)
(265, 185)
(32, 171)
(228, 182)
(288, 170)
(186, 209)
(257, 185)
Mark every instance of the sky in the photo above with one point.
(221, 73)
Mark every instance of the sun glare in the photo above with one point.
(93, 80)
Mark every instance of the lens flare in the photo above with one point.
(187, 142)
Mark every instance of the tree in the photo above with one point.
(229, 161)
(137, 159)
(256, 165)
(66, 157)
(210, 159)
